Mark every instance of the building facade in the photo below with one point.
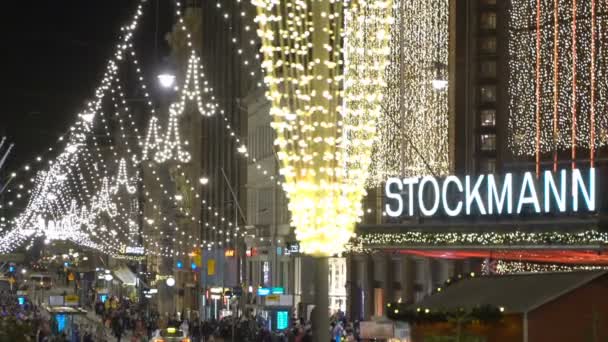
(512, 108)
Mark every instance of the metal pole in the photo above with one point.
(320, 319)
(236, 260)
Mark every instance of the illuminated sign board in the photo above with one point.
(564, 191)
(277, 290)
(229, 253)
(136, 250)
(263, 291)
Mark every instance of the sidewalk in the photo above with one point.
(92, 319)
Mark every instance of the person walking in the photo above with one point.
(117, 327)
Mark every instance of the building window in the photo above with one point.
(487, 69)
(488, 21)
(266, 273)
(487, 166)
(488, 142)
(488, 117)
(487, 93)
(487, 45)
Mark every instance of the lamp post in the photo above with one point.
(166, 81)
(324, 169)
(238, 211)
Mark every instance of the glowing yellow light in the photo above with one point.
(325, 81)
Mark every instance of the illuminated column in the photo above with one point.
(326, 99)
(408, 275)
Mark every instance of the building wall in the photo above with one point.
(509, 329)
(477, 83)
(374, 281)
(574, 316)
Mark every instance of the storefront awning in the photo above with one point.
(125, 275)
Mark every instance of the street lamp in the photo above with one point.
(108, 277)
(203, 180)
(170, 281)
(166, 80)
(439, 84)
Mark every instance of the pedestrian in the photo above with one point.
(184, 327)
(196, 331)
(117, 327)
(87, 337)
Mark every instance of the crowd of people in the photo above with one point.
(125, 319)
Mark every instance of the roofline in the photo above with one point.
(570, 289)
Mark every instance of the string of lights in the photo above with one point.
(412, 136)
(553, 102)
(513, 267)
(305, 87)
(409, 239)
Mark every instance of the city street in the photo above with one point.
(304, 171)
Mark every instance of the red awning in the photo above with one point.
(549, 256)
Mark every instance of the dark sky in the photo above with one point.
(53, 56)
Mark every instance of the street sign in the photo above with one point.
(70, 300)
(277, 290)
(211, 267)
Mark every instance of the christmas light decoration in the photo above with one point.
(153, 140)
(512, 267)
(172, 144)
(412, 136)
(122, 178)
(555, 102)
(413, 239)
(302, 44)
(79, 177)
(103, 203)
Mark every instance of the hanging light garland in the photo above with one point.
(412, 136)
(412, 239)
(555, 103)
(302, 45)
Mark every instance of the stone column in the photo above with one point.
(408, 278)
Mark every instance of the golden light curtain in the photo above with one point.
(324, 63)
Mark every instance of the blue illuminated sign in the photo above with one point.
(277, 290)
(282, 320)
(61, 322)
(263, 291)
(193, 266)
(21, 300)
(179, 264)
(11, 269)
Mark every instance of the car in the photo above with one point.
(41, 281)
(171, 334)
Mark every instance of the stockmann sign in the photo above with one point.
(511, 194)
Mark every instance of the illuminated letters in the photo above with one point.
(506, 194)
(444, 196)
(551, 189)
(588, 192)
(473, 195)
(423, 209)
(397, 197)
(528, 183)
(410, 190)
(483, 195)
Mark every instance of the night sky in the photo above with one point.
(54, 53)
